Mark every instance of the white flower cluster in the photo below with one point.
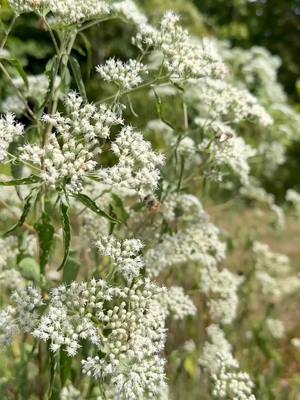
(218, 99)
(183, 209)
(294, 198)
(274, 272)
(36, 90)
(70, 393)
(177, 304)
(221, 288)
(9, 131)
(275, 327)
(73, 144)
(137, 168)
(130, 11)
(22, 317)
(199, 243)
(217, 359)
(132, 362)
(64, 11)
(126, 75)
(124, 254)
(22, 6)
(75, 11)
(182, 57)
(233, 152)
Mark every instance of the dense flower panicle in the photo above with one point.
(198, 244)
(274, 272)
(217, 359)
(9, 131)
(216, 99)
(126, 75)
(132, 363)
(137, 168)
(178, 305)
(130, 11)
(232, 152)
(182, 57)
(22, 6)
(74, 142)
(275, 327)
(124, 254)
(183, 209)
(221, 288)
(23, 316)
(293, 197)
(70, 393)
(69, 317)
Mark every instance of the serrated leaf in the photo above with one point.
(46, 236)
(71, 270)
(78, 77)
(27, 207)
(66, 233)
(89, 203)
(24, 181)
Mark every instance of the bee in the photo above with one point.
(152, 204)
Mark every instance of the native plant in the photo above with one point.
(102, 216)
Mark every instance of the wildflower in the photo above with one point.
(221, 287)
(124, 254)
(9, 131)
(275, 327)
(182, 57)
(125, 75)
(178, 305)
(137, 167)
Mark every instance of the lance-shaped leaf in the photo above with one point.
(89, 203)
(24, 181)
(66, 233)
(46, 235)
(77, 75)
(65, 366)
(29, 200)
(71, 270)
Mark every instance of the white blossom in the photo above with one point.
(124, 254)
(275, 327)
(137, 168)
(9, 131)
(125, 75)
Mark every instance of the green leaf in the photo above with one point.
(24, 181)
(30, 269)
(66, 233)
(46, 236)
(27, 207)
(71, 270)
(89, 53)
(15, 63)
(119, 209)
(78, 77)
(53, 393)
(65, 366)
(89, 203)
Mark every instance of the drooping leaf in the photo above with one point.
(29, 200)
(77, 76)
(65, 366)
(66, 233)
(24, 181)
(89, 203)
(119, 208)
(71, 270)
(46, 236)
